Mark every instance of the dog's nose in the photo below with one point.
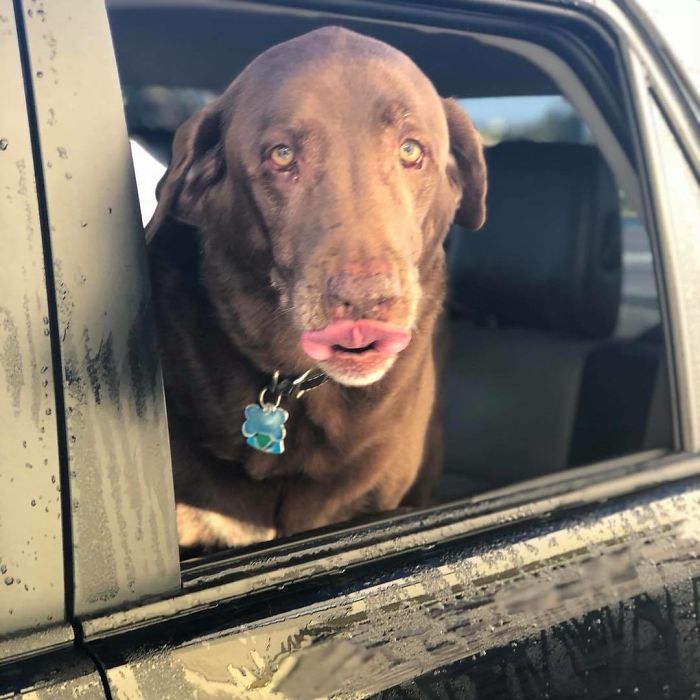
(361, 292)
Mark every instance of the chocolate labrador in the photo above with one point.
(298, 269)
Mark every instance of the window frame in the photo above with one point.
(121, 539)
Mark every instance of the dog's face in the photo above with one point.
(332, 159)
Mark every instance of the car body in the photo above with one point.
(584, 583)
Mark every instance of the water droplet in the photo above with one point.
(9, 580)
(30, 12)
(4, 143)
(49, 164)
(53, 479)
(40, 74)
(28, 465)
(72, 438)
(3, 569)
(109, 210)
(83, 224)
(24, 444)
(69, 176)
(33, 502)
(62, 152)
(44, 369)
(48, 411)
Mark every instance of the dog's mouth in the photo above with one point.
(355, 340)
(355, 353)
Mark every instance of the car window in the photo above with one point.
(557, 353)
(586, 410)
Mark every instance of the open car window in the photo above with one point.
(557, 355)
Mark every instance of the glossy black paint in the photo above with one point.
(623, 608)
(643, 648)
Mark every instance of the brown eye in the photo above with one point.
(282, 156)
(410, 153)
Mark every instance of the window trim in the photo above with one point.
(677, 251)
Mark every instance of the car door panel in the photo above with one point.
(621, 580)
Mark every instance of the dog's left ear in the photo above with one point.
(197, 162)
(468, 172)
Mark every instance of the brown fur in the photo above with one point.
(244, 259)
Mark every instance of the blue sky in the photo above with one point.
(512, 110)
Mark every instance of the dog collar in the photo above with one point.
(264, 425)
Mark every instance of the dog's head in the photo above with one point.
(328, 174)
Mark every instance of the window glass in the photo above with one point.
(551, 118)
(153, 113)
(547, 118)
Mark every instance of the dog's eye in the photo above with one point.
(411, 153)
(282, 156)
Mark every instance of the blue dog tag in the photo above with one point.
(264, 428)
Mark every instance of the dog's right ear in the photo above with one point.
(197, 163)
(469, 175)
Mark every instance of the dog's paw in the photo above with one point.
(197, 527)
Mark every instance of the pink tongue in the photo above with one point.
(387, 338)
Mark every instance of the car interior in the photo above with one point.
(557, 350)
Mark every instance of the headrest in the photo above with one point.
(549, 256)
